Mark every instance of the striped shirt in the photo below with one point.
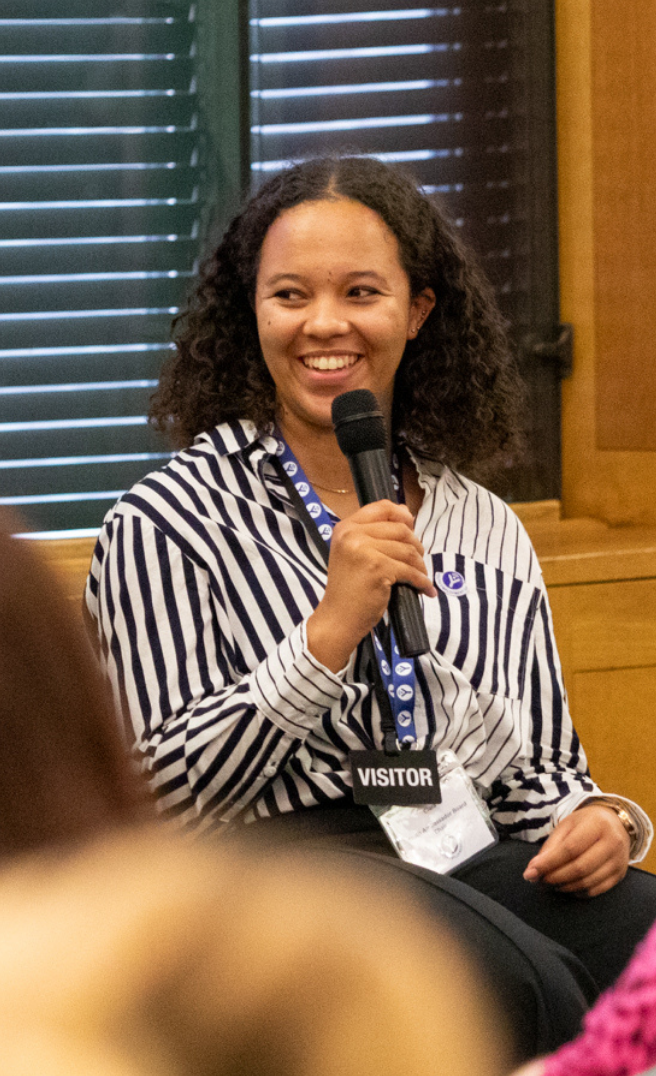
(202, 581)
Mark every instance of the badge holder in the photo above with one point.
(441, 836)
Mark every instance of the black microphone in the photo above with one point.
(360, 431)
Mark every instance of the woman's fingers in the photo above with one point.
(381, 511)
(380, 522)
(370, 551)
(595, 883)
(355, 536)
(586, 870)
(387, 551)
(587, 853)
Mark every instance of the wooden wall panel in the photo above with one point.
(606, 64)
(624, 165)
(606, 626)
(615, 720)
(606, 633)
(70, 560)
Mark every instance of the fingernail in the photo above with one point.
(531, 874)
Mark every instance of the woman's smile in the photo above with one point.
(330, 360)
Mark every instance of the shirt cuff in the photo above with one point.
(292, 688)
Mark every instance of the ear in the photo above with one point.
(420, 308)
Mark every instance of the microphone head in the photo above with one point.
(358, 421)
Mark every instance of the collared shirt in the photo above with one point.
(202, 581)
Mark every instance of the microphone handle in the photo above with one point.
(408, 621)
(373, 482)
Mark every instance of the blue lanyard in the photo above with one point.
(398, 677)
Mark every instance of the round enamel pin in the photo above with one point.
(451, 583)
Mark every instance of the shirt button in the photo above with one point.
(269, 770)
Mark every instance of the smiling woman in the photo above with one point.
(334, 310)
(334, 313)
(241, 592)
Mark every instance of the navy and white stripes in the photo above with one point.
(202, 581)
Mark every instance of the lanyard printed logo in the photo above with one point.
(399, 683)
(399, 679)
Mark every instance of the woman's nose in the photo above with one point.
(325, 317)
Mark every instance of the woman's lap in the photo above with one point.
(602, 931)
(541, 987)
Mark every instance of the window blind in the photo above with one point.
(99, 219)
(429, 86)
(462, 94)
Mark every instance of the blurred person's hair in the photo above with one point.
(144, 955)
(65, 774)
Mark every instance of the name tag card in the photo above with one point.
(409, 778)
(441, 837)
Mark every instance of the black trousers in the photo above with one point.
(546, 955)
(602, 931)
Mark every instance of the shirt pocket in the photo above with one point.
(482, 622)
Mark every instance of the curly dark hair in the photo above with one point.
(457, 388)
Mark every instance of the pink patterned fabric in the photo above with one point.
(619, 1036)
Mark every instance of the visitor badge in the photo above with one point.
(410, 777)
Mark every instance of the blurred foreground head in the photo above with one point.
(146, 956)
(126, 951)
(65, 774)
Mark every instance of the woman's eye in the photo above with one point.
(363, 291)
(288, 294)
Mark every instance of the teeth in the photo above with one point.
(329, 362)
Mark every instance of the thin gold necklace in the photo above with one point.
(330, 489)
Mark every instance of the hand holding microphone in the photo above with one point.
(376, 560)
(360, 432)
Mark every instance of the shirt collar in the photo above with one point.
(235, 438)
(242, 438)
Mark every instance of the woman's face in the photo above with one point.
(333, 308)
